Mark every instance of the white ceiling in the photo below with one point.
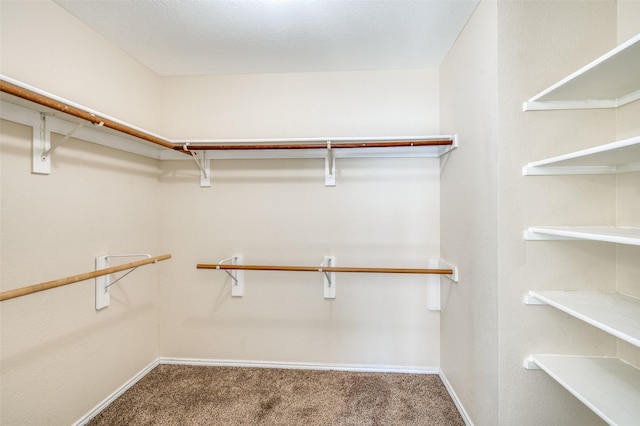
(264, 36)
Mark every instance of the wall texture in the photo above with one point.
(537, 44)
(44, 46)
(469, 217)
(61, 357)
(383, 212)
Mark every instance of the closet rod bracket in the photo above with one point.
(203, 164)
(329, 277)
(237, 276)
(104, 282)
(329, 167)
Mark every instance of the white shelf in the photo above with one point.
(611, 234)
(614, 313)
(610, 81)
(617, 157)
(608, 386)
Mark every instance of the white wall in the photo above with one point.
(383, 212)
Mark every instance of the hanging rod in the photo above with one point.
(325, 269)
(323, 145)
(10, 294)
(49, 102)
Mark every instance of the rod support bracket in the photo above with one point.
(103, 283)
(329, 277)
(329, 167)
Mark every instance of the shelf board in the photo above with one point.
(614, 313)
(611, 234)
(608, 386)
(617, 157)
(610, 81)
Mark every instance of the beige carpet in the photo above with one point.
(193, 395)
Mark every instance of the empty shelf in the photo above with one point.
(611, 234)
(617, 157)
(608, 386)
(614, 313)
(610, 81)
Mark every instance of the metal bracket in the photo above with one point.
(329, 167)
(329, 277)
(103, 296)
(237, 276)
(41, 143)
(203, 164)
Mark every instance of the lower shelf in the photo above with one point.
(608, 386)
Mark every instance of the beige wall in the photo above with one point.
(46, 47)
(59, 351)
(538, 43)
(382, 212)
(59, 356)
(366, 103)
(469, 219)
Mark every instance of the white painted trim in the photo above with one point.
(115, 395)
(456, 400)
(301, 366)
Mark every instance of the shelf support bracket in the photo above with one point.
(41, 164)
(237, 276)
(530, 364)
(47, 153)
(530, 299)
(103, 283)
(329, 167)
(203, 164)
(329, 277)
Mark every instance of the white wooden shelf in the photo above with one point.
(608, 386)
(610, 81)
(614, 313)
(611, 234)
(617, 157)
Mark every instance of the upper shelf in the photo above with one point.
(610, 81)
(617, 157)
(20, 99)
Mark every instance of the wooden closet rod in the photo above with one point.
(10, 294)
(326, 269)
(48, 102)
(317, 145)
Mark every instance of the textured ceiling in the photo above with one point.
(263, 36)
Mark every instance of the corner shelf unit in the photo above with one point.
(610, 81)
(609, 386)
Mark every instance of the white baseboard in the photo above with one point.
(258, 364)
(456, 401)
(301, 366)
(122, 389)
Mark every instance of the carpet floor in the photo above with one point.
(196, 395)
